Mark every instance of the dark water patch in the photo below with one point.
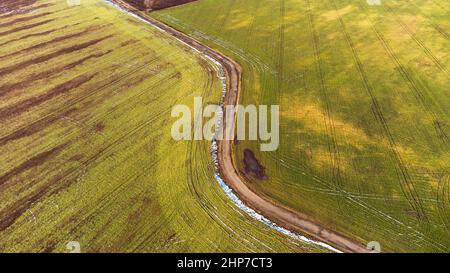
(252, 165)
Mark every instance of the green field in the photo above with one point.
(86, 93)
(364, 99)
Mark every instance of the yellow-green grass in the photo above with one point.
(86, 152)
(364, 99)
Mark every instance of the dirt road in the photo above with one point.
(278, 214)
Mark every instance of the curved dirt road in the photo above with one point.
(278, 214)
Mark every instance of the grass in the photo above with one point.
(364, 99)
(86, 93)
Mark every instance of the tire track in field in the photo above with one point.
(5, 13)
(443, 199)
(51, 42)
(406, 183)
(417, 41)
(436, 27)
(38, 34)
(60, 113)
(286, 216)
(108, 149)
(30, 163)
(26, 27)
(14, 211)
(439, 5)
(101, 87)
(228, 12)
(420, 97)
(63, 10)
(54, 12)
(9, 215)
(356, 200)
(193, 173)
(290, 163)
(10, 5)
(329, 120)
(9, 69)
(24, 19)
(193, 176)
(23, 106)
(252, 24)
(281, 45)
(79, 99)
(104, 205)
(14, 172)
(8, 88)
